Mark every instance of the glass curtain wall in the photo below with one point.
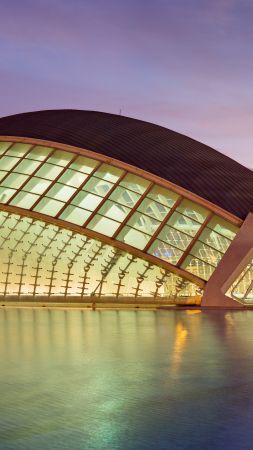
(115, 203)
(242, 288)
(40, 260)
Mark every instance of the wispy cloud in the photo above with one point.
(187, 65)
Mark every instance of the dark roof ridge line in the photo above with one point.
(103, 113)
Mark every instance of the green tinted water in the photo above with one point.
(126, 380)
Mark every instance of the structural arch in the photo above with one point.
(111, 201)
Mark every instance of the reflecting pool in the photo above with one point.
(87, 380)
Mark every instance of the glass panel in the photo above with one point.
(109, 173)
(163, 196)
(97, 186)
(49, 171)
(124, 197)
(215, 240)
(52, 268)
(6, 194)
(2, 174)
(114, 211)
(75, 215)
(207, 254)
(153, 209)
(135, 183)
(249, 297)
(48, 206)
(39, 153)
(85, 165)
(27, 166)
(165, 252)
(86, 200)
(193, 210)
(72, 178)
(37, 185)
(103, 225)
(223, 227)
(7, 162)
(184, 224)
(175, 237)
(133, 237)
(242, 287)
(197, 267)
(24, 200)
(19, 150)
(143, 223)
(14, 180)
(4, 146)
(60, 158)
(61, 192)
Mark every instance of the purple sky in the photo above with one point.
(184, 64)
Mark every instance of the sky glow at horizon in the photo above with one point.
(186, 65)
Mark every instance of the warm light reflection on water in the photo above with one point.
(125, 380)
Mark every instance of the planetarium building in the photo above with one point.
(100, 208)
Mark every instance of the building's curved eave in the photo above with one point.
(136, 170)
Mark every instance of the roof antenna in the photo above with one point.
(120, 112)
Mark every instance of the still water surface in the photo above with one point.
(89, 380)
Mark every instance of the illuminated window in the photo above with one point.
(113, 202)
(242, 288)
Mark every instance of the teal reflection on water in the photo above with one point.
(173, 380)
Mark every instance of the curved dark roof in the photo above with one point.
(170, 155)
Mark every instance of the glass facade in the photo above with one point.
(41, 260)
(242, 288)
(113, 202)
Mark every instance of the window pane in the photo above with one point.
(103, 225)
(4, 146)
(2, 174)
(72, 178)
(60, 158)
(24, 200)
(85, 165)
(14, 180)
(37, 185)
(223, 227)
(75, 215)
(165, 252)
(6, 194)
(197, 267)
(114, 211)
(135, 183)
(206, 253)
(97, 186)
(39, 153)
(175, 237)
(143, 223)
(124, 197)
(215, 240)
(60, 192)
(27, 166)
(163, 196)
(7, 162)
(86, 200)
(153, 209)
(49, 171)
(19, 150)
(48, 206)
(193, 210)
(109, 173)
(133, 237)
(184, 224)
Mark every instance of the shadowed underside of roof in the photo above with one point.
(165, 153)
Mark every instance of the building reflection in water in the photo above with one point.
(120, 379)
